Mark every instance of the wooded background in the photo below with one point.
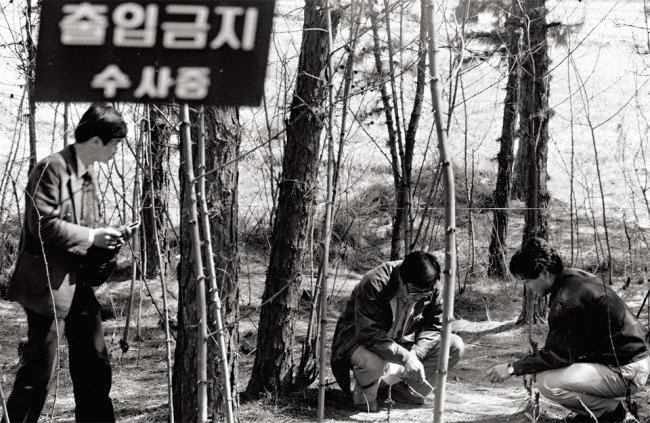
(546, 115)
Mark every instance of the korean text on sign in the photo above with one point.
(137, 25)
(204, 41)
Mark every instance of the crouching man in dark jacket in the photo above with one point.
(389, 332)
(595, 352)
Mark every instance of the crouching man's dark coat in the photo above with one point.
(368, 317)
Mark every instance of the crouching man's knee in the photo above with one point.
(549, 388)
(367, 366)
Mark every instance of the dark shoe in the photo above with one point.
(619, 415)
(361, 401)
(403, 393)
(382, 392)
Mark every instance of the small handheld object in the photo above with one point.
(128, 230)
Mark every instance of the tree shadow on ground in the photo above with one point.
(471, 335)
(304, 404)
(504, 418)
(518, 417)
(155, 412)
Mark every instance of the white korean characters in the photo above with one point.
(183, 26)
(84, 24)
(191, 83)
(137, 25)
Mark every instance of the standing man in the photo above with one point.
(60, 225)
(389, 333)
(595, 352)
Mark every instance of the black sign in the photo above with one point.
(198, 51)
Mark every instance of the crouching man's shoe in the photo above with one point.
(364, 398)
(618, 415)
(403, 393)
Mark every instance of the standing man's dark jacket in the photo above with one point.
(368, 317)
(52, 213)
(579, 311)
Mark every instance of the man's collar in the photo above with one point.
(81, 167)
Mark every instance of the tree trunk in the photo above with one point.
(30, 48)
(223, 139)
(403, 210)
(497, 257)
(534, 117)
(449, 275)
(185, 354)
(274, 363)
(398, 218)
(222, 145)
(416, 112)
(160, 135)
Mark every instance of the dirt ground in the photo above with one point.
(485, 320)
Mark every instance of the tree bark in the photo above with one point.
(273, 366)
(411, 130)
(223, 139)
(449, 274)
(534, 117)
(398, 218)
(160, 135)
(30, 65)
(497, 266)
(401, 155)
(222, 144)
(402, 227)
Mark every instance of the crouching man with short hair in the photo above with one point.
(595, 352)
(389, 333)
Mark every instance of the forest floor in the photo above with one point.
(485, 314)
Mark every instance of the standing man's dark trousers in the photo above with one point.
(89, 364)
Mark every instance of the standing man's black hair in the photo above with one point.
(533, 258)
(420, 269)
(100, 120)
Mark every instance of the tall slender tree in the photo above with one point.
(223, 132)
(223, 138)
(497, 257)
(308, 368)
(29, 65)
(273, 367)
(401, 148)
(533, 131)
(449, 275)
(391, 128)
(161, 133)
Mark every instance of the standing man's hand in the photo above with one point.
(413, 367)
(498, 373)
(107, 237)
